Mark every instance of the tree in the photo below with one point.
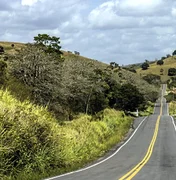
(160, 62)
(3, 67)
(129, 98)
(161, 71)
(77, 53)
(163, 58)
(38, 70)
(50, 44)
(145, 66)
(168, 55)
(171, 72)
(174, 53)
(147, 61)
(1, 50)
(153, 79)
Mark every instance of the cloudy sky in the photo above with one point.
(124, 31)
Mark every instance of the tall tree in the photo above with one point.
(50, 44)
(38, 70)
(160, 62)
(129, 98)
(174, 53)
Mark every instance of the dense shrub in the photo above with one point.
(172, 108)
(170, 97)
(129, 98)
(1, 49)
(171, 83)
(153, 79)
(172, 72)
(145, 66)
(149, 91)
(3, 73)
(160, 62)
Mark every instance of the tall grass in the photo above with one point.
(172, 108)
(148, 109)
(33, 145)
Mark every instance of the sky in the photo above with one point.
(121, 31)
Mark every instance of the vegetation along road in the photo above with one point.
(148, 154)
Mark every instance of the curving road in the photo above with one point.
(150, 153)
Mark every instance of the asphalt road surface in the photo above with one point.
(150, 153)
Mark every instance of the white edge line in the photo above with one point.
(167, 108)
(173, 122)
(154, 108)
(73, 172)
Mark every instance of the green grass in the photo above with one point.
(19, 90)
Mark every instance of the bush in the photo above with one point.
(1, 49)
(145, 66)
(172, 72)
(160, 62)
(153, 79)
(172, 108)
(129, 98)
(170, 97)
(3, 77)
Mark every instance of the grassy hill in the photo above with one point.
(155, 69)
(8, 46)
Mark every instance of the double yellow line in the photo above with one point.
(140, 165)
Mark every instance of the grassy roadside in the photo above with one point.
(33, 145)
(149, 109)
(172, 109)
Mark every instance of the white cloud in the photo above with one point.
(28, 2)
(137, 5)
(173, 12)
(127, 13)
(105, 16)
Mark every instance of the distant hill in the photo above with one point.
(155, 69)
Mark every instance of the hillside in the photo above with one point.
(67, 54)
(155, 69)
(76, 85)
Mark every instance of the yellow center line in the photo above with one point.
(140, 165)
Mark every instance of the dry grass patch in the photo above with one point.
(155, 69)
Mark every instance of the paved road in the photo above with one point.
(161, 163)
